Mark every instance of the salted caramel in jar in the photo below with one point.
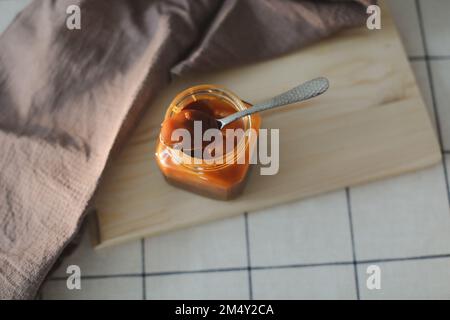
(213, 168)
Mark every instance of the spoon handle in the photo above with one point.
(305, 91)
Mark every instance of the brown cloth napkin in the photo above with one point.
(65, 95)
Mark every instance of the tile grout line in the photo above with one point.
(447, 182)
(355, 268)
(446, 176)
(385, 260)
(156, 274)
(427, 57)
(249, 266)
(433, 94)
(291, 266)
(429, 73)
(304, 265)
(144, 288)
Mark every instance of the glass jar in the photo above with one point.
(224, 180)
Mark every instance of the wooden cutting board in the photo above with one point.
(371, 124)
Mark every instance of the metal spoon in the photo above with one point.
(305, 91)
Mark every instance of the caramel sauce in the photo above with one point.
(216, 181)
(206, 112)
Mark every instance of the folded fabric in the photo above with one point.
(65, 95)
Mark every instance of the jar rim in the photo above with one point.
(235, 102)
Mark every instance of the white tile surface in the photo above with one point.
(323, 282)
(8, 10)
(402, 217)
(405, 16)
(93, 289)
(310, 231)
(123, 259)
(417, 279)
(212, 285)
(421, 74)
(220, 244)
(441, 79)
(437, 26)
